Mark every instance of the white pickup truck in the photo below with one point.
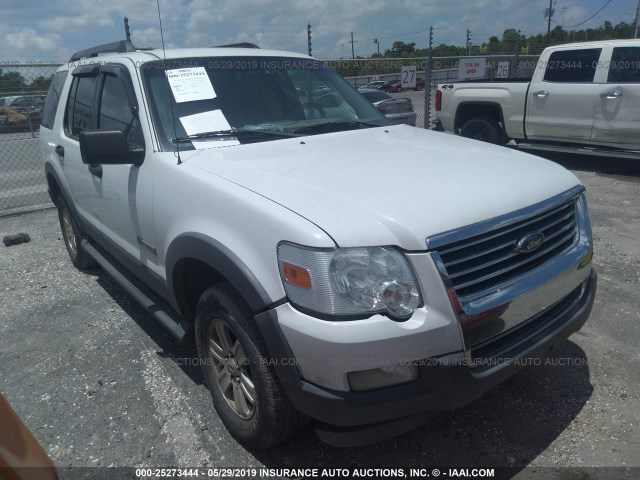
(582, 97)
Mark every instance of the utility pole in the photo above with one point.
(377, 42)
(353, 52)
(430, 40)
(635, 24)
(427, 81)
(309, 37)
(468, 42)
(126, 29)
(514, 67)
(548, 14)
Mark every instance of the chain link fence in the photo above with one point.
(23, 88)
(434, 71)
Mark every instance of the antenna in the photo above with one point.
(126, 29)
(164, 54)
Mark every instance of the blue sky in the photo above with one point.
(52, 31)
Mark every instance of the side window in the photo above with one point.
(116, 113)
(572, 66)
(625, 65)
(53, 99)
(80, 105)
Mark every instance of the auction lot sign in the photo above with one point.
(469, 68)
(408, 76)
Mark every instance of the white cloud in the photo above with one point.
(65, 26)
(27, 39)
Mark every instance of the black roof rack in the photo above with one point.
(113, 47)
(237, 45)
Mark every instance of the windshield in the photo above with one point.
(227, 97)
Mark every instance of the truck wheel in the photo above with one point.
(72, 236)
(248, 397)
(485, 129)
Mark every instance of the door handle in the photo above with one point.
(96, 170)
(60, 150)
(611, 95)
(541, 94)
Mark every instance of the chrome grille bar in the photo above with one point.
(486, 259)
(530, 259)
(500, 233)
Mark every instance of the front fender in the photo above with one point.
(194, 245)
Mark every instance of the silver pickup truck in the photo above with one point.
(582, 96)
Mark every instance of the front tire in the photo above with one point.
(248, 397)
(485, 129)
(72, 237)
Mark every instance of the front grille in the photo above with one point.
(486, 260)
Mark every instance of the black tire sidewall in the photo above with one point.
(491, 127)
(79, 258)
(218, 306)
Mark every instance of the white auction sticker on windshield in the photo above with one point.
(190, 84)
(211, 121)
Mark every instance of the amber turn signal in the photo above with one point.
(296, 275)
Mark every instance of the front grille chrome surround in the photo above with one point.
(484, 261)
(480, 262)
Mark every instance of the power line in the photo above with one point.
(399, 34)
(582, 23)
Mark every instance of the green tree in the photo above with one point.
(495, 46)
(443, 50)
(40, 84)
(11, 83)
(558, 35)
(400, 49)
(509, 41)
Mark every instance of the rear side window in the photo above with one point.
(79, 114)
(625, 65)
(53, 99)
(572, 66)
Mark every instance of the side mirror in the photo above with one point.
(108, 147)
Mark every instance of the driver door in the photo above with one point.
(115, 200)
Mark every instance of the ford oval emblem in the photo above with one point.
(530, 242)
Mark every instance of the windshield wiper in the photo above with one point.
(335, 125)
(232, 133)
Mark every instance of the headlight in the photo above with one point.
(349, 282)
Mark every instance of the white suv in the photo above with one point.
(329, 265)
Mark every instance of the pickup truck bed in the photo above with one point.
(583, 96)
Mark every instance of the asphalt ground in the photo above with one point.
(100, 384)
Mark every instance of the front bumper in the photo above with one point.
(445, 382)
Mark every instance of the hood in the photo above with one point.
(388, 185)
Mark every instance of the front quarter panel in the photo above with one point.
(229, 218)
